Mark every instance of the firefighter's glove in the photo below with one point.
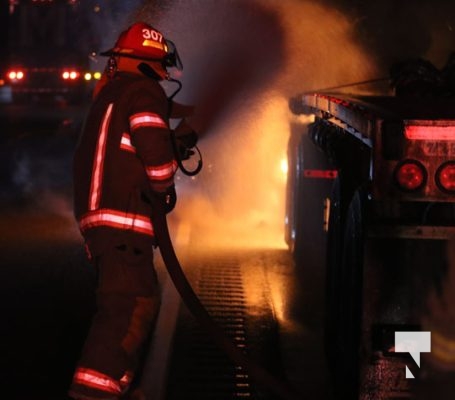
(186, 138)
(185, 144)
(166, 200)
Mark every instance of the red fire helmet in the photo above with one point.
(144, 42)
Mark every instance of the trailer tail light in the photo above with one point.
(70, 75)
(445, 177)
(15, 75)
(430, 132)
(410, 175)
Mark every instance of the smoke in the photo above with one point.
(243, 60)
(395, 30)
(38, 159)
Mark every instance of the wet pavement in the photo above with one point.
(251, 295)
(271, 305)
(47, 301)
(254, 293)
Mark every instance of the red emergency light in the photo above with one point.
(445, 177)
(430, 132)
(410, 175)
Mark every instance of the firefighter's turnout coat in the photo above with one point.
(124, 153)
(123, 157)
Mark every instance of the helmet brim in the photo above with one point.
(130, 53)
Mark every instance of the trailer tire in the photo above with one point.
(344, 307)
(332, 292)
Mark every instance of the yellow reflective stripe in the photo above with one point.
(97, 380)
(146, 119)
(116, 219)
(152, 43)
(162, 172)
(125, 143)
(98, 161)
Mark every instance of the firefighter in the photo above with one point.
(123, 164)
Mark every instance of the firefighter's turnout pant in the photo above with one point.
(128, 301)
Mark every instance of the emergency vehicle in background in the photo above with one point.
(49, 45)
(370, 208)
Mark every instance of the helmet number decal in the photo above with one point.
(152, 34)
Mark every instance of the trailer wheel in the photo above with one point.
(310, 238)
(293, 196)
(343, 319)
(300, 199)
(333, 269)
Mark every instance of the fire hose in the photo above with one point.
(280, 388)
(182, 146)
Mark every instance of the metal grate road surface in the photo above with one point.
(198, 368)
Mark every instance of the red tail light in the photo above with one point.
(410, 175)
(430, 132)
(15, 74)
(70, 75)
(445, 177)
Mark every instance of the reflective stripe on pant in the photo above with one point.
(127, 304)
